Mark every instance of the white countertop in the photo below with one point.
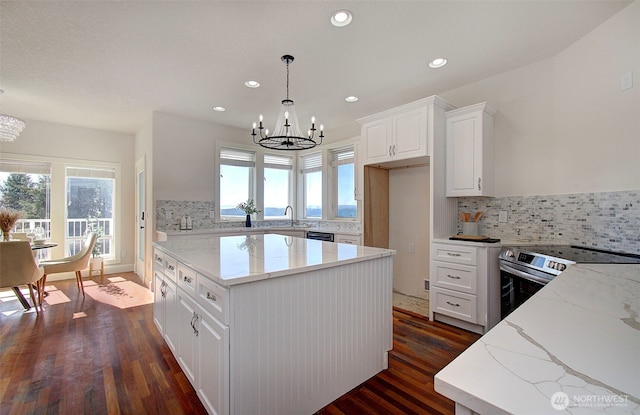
(258, 230)
(230, 260)
(579, 335)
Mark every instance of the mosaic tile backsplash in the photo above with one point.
(200, 212)
(608, 220)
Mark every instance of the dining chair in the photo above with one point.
(75, 263)
(18, 267)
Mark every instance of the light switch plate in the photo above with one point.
(502, 216)
(626, 81)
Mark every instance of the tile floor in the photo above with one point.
(410, 303)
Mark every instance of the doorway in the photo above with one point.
(140, 232)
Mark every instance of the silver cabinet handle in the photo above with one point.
(479, 181)
(453, 254)
(171, 267)
(194, 320)
(455, 277)
(158, 259)
(211, 297)
(394, 149)
(187, 279)
(389, 151)
(453, 304)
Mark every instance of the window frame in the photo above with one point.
(332, 179)
(251, 191)
(58, 193)
(291, 185)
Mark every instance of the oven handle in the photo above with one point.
(518, 273)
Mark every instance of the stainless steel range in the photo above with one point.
(524, 270)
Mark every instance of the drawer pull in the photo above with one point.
(453, 304)
(453, 254)
(186, 279)
(211, 297)
(171, 267)
(455, 277)
(158, 259)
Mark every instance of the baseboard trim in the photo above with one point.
(108, 269)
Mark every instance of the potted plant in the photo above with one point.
(248, 208)
(8, 219)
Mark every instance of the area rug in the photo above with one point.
(118, 292)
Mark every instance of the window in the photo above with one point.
(65, 198)
(312, 185)
(26, 186)
(90, 206)
(343, 203)
(236, 181)
(277, 185)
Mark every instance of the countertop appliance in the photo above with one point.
(524, 270)
(320, 236)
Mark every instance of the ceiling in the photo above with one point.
(109, 64)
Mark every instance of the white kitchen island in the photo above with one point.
(572, 348)
(273, 324)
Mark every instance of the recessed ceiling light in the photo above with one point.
(341, 18)
(219, 109)
(437, 63)
(351, 98)
(252, 84)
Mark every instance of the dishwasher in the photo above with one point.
(320, 236)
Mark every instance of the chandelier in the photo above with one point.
(287, 134)
(10, 127)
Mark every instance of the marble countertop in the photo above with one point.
(574, 347)
(259, 230)
(237, 259)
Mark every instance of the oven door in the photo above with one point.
(517, 285)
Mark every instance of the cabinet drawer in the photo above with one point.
(187, 279)
(456, 304)
(213, 298)
(171, 268)
(158, 261)
(458, 254)
(456, 277)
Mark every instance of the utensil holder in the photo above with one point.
(470, 228)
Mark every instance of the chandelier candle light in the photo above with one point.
(287, 134)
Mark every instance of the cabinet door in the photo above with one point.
(171, 332)
(410, 134)
(213, 366)
(378, 137)
(158, 301)
(348, 239)
(464, 155)
(187, 335)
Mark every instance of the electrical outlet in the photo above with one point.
(412, 248)
(212, 214)
(626, 81)
(168, 215)
(123, 254)
(502, 216)
(426, 285)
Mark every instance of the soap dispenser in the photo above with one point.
(183, 223)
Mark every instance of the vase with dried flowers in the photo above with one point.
(8, 219)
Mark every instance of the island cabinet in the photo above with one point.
(465, 289)
(268, 324)
(400, 134)
(469, 151)
(164, 313)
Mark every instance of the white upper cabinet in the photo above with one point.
(469, 151)
(392, 137)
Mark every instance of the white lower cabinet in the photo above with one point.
(465, 285)
(184, 314)
(348, 239)
(164, 308)
(213, 371)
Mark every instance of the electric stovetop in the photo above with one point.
(582, 255)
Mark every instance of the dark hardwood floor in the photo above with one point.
(85, 356)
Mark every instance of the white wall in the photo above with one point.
(144, 149)
(184, 155)
(67, 142)
(409, 224)
(563, 125)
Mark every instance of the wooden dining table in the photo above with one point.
(16, 290)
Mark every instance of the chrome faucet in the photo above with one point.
(285, 213)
